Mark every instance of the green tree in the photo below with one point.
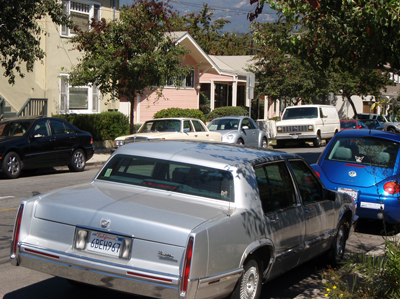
(282, 76)
(132, 54)
(20, 31)
(359, 34)
(208, 35)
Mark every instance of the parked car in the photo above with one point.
(373, 124)
(240, 130)
(364, 164)
(389, 122)
(170, 129)
(307, 123)
(183, 219)
(346, 124)
(29, 143)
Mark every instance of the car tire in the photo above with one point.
(240, 141)
(392, 130)
(336, 252)
(12, 165)
(78, 161)
(250, 283)
(317, 141)
(264, 143)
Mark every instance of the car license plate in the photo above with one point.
(104, 243)
(353, 193)
(370, 205)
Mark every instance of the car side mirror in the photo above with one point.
(245, 128)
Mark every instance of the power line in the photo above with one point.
(218, 8)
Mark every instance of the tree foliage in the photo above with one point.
(20, 31)
(351, 34)
(132, 54)
(208, 33)
(283, 76)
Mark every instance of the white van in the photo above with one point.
(307, 123)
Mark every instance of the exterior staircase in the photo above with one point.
(33, 106)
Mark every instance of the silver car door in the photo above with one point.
(284, 216)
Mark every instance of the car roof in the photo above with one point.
(369, 133)
(233, 116)
(174, 118)
(208, 154)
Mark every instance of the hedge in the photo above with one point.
(103, 126)
(179, 112)
(227, 111)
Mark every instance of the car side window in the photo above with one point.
(197, 126)
(187, 127)
(58, 127)
(42, 129)
(275, 186)
(246, 123)
(309, 187)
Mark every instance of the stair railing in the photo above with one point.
(34, 106)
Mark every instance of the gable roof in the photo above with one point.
(233, 64)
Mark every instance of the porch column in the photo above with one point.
(234, 93)
(137, 108)
(212, 95)
(267, 113)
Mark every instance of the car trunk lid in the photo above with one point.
(146, 213)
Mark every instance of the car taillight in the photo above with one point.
(391, 187)
(317, 173)
(17, 226)
(91, 140)
(359, 127)
(186, 265)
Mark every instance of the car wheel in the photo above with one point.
(336, 252)
(393, 130)
(249, 285)
(78, 161)
(264, 143)
(240, 141)
(317, 141)
(11, 165)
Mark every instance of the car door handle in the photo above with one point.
(308, 210)
(274, 220)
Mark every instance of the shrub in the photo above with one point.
(103, 126)
(179, 112)
(227, 111)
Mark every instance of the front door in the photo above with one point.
(319, 212)
(41, 146)
(249, 130)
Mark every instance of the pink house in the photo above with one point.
(221, 80)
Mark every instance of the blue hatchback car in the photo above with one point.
(365, 165)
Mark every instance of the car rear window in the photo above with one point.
(368, 151)
(169, 176)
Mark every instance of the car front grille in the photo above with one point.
(294, 129)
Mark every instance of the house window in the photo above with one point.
(81, 13)
(78, 99)
(187, 81)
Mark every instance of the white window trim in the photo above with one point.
(183, 86)
(93, 94)
(70, 32)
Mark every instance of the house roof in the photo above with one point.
(205, 63)
(233, 64)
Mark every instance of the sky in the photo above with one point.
(233, 10)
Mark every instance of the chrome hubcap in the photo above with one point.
(13, 165)
(250, 279)
(79, 161)
(340, 243)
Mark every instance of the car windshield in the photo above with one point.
(305, 112)
(169, 125)
(169, 176)
(14, 128)
(364, 150)
(224, 124)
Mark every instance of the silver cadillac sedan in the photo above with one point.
(182, 219)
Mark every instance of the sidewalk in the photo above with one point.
(100, 156)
